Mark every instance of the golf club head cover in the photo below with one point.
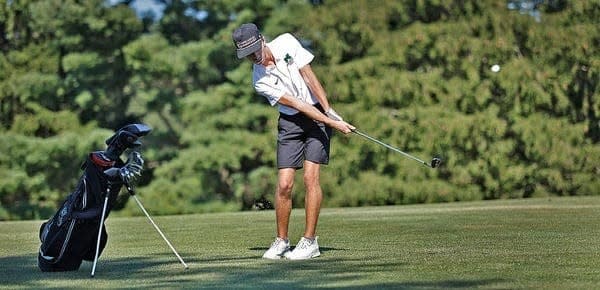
(332, 114)
(125, 138)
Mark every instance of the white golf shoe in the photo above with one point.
(277, 249)
(305, 249)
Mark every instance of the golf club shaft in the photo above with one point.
(390, 147)
(100, 232)
(159, 231)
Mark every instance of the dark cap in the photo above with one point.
(247, 39)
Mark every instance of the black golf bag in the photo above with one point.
(70, 236)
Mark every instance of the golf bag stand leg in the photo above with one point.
(156, 227)
(100, 230)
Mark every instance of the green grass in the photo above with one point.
(509, 244)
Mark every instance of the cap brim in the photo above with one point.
(244, 52)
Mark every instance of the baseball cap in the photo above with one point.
(247, 39)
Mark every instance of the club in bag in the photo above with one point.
(435, 162)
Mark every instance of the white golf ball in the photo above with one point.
(495, 68)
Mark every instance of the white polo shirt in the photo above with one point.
(284, 77)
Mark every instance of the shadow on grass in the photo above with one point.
(165, 271)
(321, 249)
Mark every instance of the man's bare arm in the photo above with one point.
(313, 113)
(314, 86)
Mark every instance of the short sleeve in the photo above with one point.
(301, 56)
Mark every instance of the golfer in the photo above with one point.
(282, 73)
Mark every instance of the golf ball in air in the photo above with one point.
(495, 68)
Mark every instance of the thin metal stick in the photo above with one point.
(159, 231)
(100, 231)
(391, 147)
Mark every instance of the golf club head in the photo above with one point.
(435, 162)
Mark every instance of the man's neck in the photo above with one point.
(269, 58)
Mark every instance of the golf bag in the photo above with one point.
(70, 236)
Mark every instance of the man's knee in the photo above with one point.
(311, 175)
(311, 181)
(284, 188)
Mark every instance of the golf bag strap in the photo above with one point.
(87, 214)
(101, 160)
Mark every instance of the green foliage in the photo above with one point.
(415, 74)
(39, 172)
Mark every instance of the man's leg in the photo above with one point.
(308, 247)
(283, 209)
(283, 200)
(313, 198)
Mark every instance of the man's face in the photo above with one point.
(258, 56)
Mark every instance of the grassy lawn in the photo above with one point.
(509, 244)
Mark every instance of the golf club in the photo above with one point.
(435, 162)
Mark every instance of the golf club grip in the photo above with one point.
(390, 147)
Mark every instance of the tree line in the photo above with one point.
(415, 74)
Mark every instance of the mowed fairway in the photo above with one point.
(509, 244)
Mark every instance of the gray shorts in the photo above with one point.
(300, 138)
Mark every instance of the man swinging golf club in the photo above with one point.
(282, 73)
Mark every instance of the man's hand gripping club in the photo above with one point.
(344, 127)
